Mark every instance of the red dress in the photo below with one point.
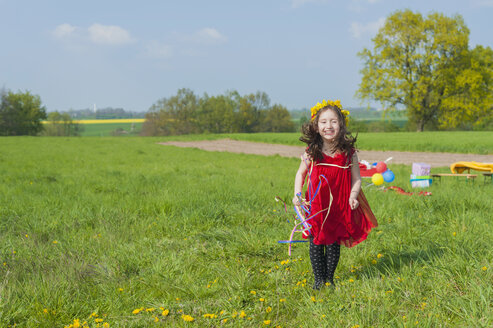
(335, 221)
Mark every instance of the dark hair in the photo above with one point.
(345, 141)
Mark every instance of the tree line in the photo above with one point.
(187, 113)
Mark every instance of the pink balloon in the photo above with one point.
(381, 167)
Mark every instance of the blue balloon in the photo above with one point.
(388, 176)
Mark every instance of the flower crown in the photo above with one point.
(325, 103)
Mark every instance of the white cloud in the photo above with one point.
(210, 35)
(64, 30)
(109, 34)
(96, 33)
(358, 29)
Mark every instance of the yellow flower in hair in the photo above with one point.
(314, 110)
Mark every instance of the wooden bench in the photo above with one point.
(486, 175)
(467, 175)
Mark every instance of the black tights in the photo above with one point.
(324, 259)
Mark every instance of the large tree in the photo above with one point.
(20, 113)
(424, 65)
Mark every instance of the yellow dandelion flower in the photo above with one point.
(106, 325)
(156, 319)
(379, 256)
(27, 236)
(374, 261)
(177, 298)
(253, 292)
(389, 292)
(266, 322)
(242, 314)
(55, 242)
(76, 323)
(262, 299)
(120, 289)
(269, 309)
(187, 318)
(282, 300)
(234, 314)
(351, 280)
(136, 311)
(355, 326)
(484, 268)
(313, 299)
(454, 233)
(98, 320)
(404, 317)
(4, 263)
(150, 309)
(327, 283)
(161, 308)
(165, 313)
(224, 320)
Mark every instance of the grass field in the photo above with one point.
(454, 142)
(122, 232)
(106, 129)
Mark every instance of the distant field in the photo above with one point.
(477, 142)
(105, 129)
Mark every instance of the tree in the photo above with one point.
(20, 113)
(61, 125)
(277, 119)
(424, 64)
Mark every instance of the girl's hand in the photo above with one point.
(353, 203)
(296, 201)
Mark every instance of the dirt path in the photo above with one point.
(398, 157)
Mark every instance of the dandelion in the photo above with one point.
(404, 317)
(327, 283)
(373, 261)
(136, 311)
(76, 323)
(120, 289)
(266, 322)
(4, 263)
(423, 305)
(313, 299)
(379, 256)
(187, 318)
(150, 310)
(224, 320)
(484, 268)
(55, 241)
(389, 292)
(253, 292)
(351, 280)
(98, 320)
(355, 326)
(165, 313)
(234, 314)
(282, 300)
(94, 314)
(269, 309)
(262, 299)
(177, 298)
(222, 312)
(242, 314)
(210, 315)
(27, 236)
(454, 233)
(156, 319)
(106, 325)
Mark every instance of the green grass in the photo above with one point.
(105, 129)
(478, 142)
(140, 225)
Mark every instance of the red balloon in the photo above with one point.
(381, 167)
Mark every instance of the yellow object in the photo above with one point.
(314, 110)
(459, 167)
(377, 179)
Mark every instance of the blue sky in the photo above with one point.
(129, 54)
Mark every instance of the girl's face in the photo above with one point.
(328, 125)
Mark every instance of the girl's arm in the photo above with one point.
(355, 183)
(300, 178)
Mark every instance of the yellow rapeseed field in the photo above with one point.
(122, 120)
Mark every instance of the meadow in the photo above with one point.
(123, 232)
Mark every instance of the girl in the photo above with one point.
(341, 214)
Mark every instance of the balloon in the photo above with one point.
(377, 179)
(388, 176)
(381, 167)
